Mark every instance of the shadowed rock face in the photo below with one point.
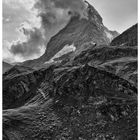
(17, 83)
(127, 38)
(19, 88)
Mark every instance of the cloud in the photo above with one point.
(31, 46)
(74, 6)
(18, 4)
(55, 14)
(7, 55)
(52, 8)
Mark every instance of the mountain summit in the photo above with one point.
(77, 32)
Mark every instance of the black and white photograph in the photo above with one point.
(69, 70)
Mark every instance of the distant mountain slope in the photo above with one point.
(127, 38)
(78, 31)
(6, 66)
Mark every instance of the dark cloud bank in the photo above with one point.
(54, 15)
(31, 46)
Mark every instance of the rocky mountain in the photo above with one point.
(127, 38)
(6, 66)
(89, 96)
(77, 90)
(78, 31)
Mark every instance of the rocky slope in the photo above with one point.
(77, 32)
(75, 103)
(127, 38)
(76, 99)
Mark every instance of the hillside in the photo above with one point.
(76, 99)
(6, 66)
(128, 37)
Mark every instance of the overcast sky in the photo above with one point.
(117, 15)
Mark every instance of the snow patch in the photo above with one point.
(48, 62)
(66, 49)
(109, 35)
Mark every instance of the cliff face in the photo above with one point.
(78, 31)
(127, 38)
